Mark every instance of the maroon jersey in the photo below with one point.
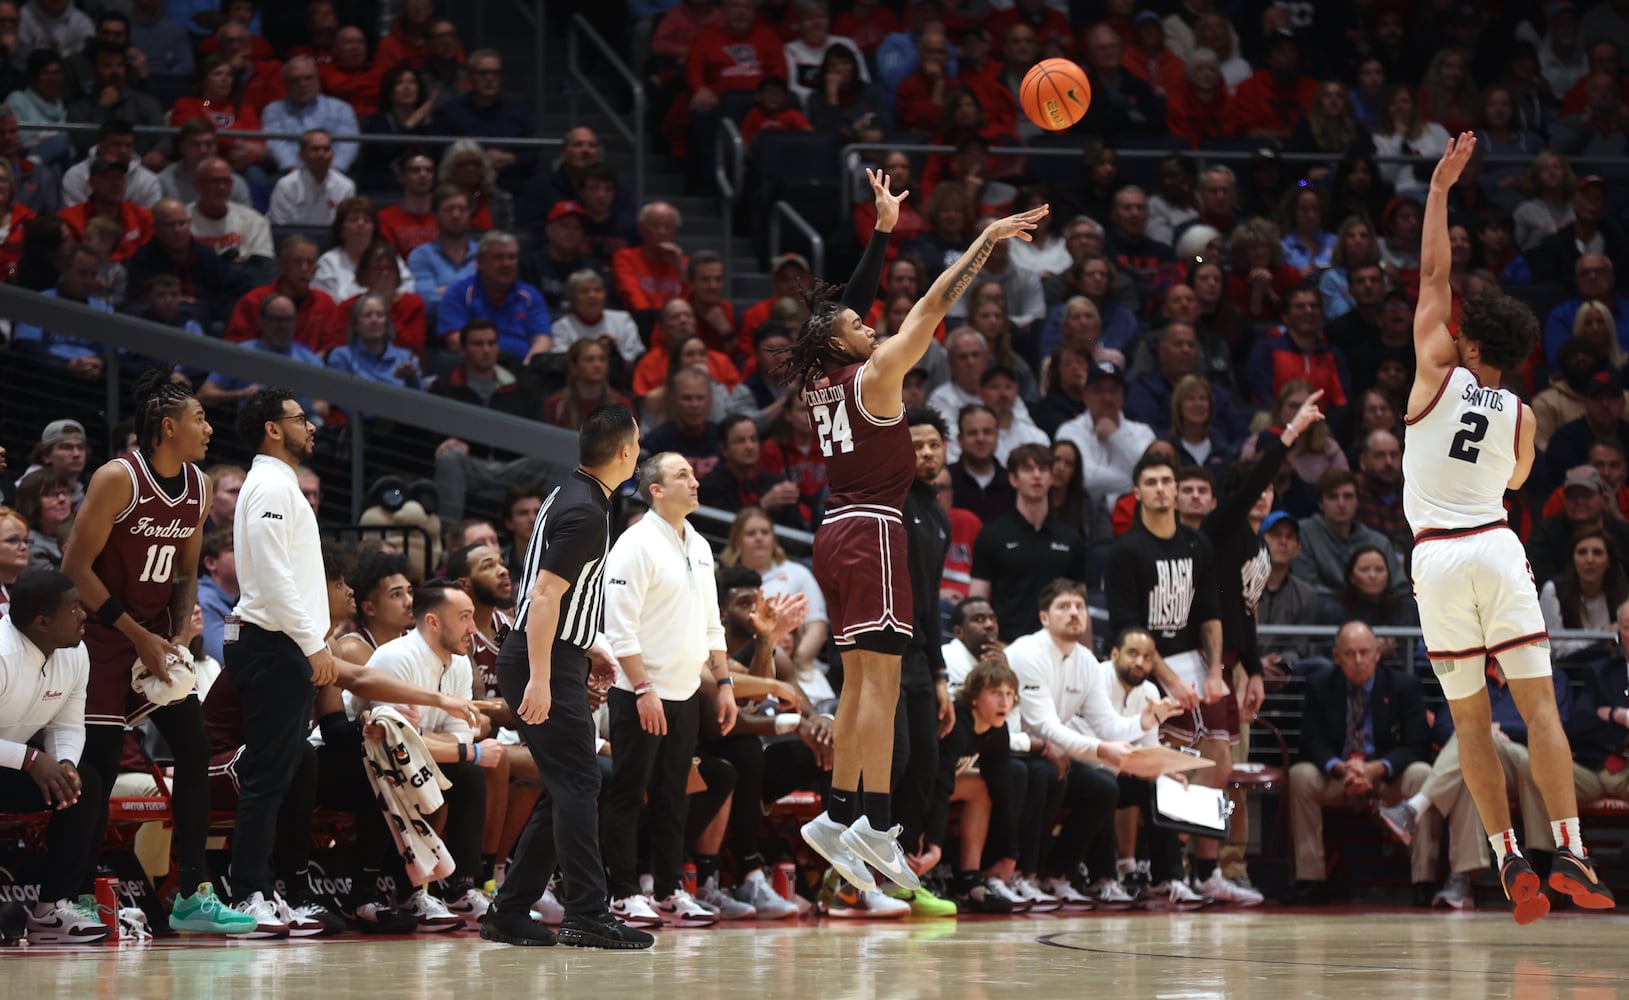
(138, 561)
(869, 462)
(484, 655)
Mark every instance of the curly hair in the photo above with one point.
(814, 350)
(157, 397)
(1505, 328)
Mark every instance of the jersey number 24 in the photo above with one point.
(831, 427)
(1476, 427)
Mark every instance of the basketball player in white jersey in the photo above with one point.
(1469, 440)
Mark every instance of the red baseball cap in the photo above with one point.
(562, 209)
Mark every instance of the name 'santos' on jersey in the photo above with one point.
(1460, 454)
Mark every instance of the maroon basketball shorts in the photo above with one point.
(859, 562)
(109, 699)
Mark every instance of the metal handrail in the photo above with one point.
(817, 244)
(636, 134)
(360, 138)
(727, 147)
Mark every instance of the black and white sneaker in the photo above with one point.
(602, 931)
(374, 914)
(307, 912)
(65, 922)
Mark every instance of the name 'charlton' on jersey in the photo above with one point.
(869, 461)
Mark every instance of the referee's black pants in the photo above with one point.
(274, 678)
(564, 828)
(643, 763)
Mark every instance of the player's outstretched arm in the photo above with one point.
(902, 352)
(1433, 343)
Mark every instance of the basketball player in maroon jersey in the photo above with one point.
(853, 389)
(133, 554)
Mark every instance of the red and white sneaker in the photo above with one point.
(431, 913)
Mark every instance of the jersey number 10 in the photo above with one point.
(831, 427)
(160, 564)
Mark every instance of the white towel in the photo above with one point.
(407, 785)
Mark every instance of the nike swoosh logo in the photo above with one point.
(147, 499)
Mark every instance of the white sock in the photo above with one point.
(1567, 835)
(1125, 865)
(1504, 844)
(1419, 802)
(756, 874)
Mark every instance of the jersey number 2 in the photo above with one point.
(160, 564)
(831, 426)
(1476, 426)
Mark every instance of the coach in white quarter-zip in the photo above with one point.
(661, 616)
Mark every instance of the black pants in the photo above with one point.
(916, 756)
(1091, 796)
(466, 819)
(790, 766)
(745, 755)
(342, 784)
(73, 838)
(653, 770)
(274, 678)
(1163, 847)
(564, 827)
(1037, 792)
(182, 726)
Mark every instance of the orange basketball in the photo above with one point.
(1055, 94)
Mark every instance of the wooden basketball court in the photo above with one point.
(1272, 954)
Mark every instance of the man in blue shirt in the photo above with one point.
(217, 589)
(494, 292)
(485, 111)
(451, 255)
(306, 109)
(278, 319)
(82, 358)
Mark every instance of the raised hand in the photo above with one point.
(1453, 161)
(1019, 225)
(886, 200)
(1308, 414)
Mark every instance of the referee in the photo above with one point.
(543, 671)
(276, 654)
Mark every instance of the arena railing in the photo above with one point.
(581, 31)
(420, 419)
(360, 139)
(849, 159)
(729, 171)
(817, 243)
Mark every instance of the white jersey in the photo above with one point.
(1460, 454)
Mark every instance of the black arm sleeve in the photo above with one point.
(1235, 507)
(861, 290)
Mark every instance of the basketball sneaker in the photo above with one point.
(1400, 821)
(1523, 888)
(924, 903)
(1456, 893)
(881, 850)
(602, 930)
(1224, 890)
(65, 921)
(1173, 895)
(841, 900)
(548, 908)
(987, 895)
(1065, 892)
(471, 905)
(682, 910)
(635, 911)
(1109, 894)
(1576, 877)
(203, 912)
(1036, 901)
(756, 892)
(825, 835)
(431, 914)
(268, 922)
(523, 929)
(375, 914)
(299, 924)
(722, 903)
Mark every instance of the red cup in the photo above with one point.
(690, 878)
(107, 906)
(786, 880)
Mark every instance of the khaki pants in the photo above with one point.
(1311, 791)
(1595, 785)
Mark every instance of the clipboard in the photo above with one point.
(1151, 762)
(1191, 809)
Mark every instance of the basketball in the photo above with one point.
(1055, 94)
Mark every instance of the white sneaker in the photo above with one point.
(63, 922)
(1026, 889)
(1065, 893)
(636, 911)
(722, 903)
(1174, 894)
(1456, 893)
(268, 921)
(470, 907)
(298, 924)
(431, 913)
(1006, 889)
(1109, 894)
(682, 910)
(548, 909)
(1223, 890)
(881, 850)
(825, 835)
(756, 891)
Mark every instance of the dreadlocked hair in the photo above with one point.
(812, 352)
(157, 396)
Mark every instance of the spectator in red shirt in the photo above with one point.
(736, 55)
(13, 214)
(919, 104)
(1149, 60)
(350, 77)
(1050, 27)
(1197, 110)
(991, 80)
(772, 110)
(648, 275)
(218, 99)
(319, 325)
(868, 22)
(1273, 101)
(409, 38)
(379, 273)
(411, 222)
(107, 185)
(897, 165)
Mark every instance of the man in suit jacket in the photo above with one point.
(1363, 735)
(1599, 725)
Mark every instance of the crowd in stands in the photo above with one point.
(1171, 307)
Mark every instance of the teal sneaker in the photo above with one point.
(924, 903)
(203, 912)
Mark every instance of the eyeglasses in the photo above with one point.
(301, 417)
(19, 540)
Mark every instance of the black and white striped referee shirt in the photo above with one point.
(571, 540)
